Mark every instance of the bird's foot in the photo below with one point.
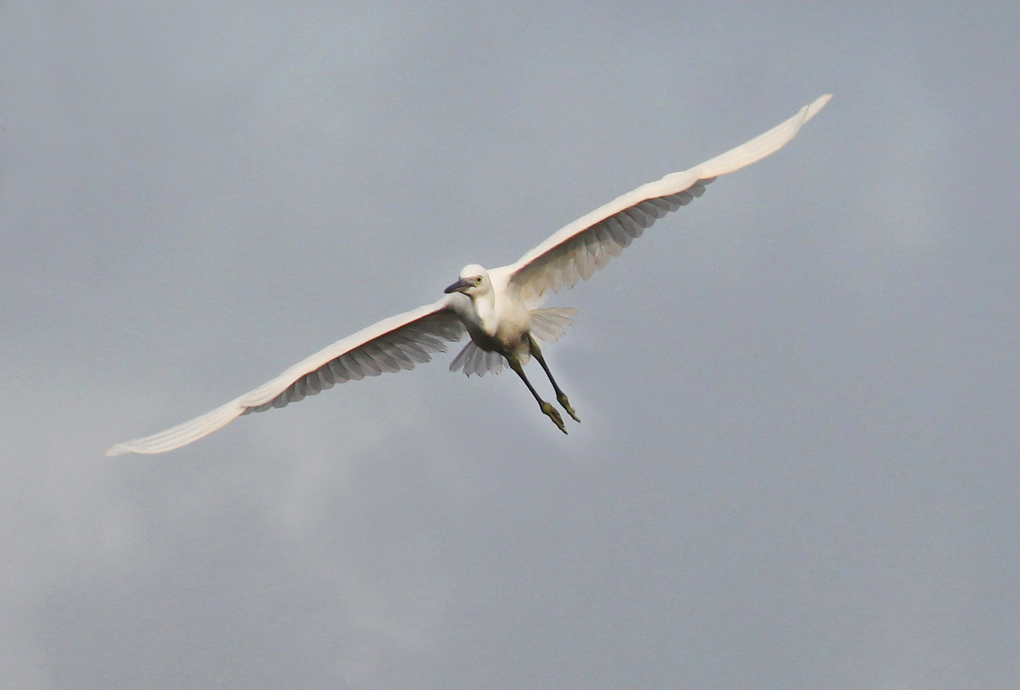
(565, 404)
(551, 412)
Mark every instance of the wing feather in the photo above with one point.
(577, 250)
(392, 345)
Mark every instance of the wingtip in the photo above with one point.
(816, 105)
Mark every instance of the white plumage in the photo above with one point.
(497, 307)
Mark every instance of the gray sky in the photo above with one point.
(797, 466)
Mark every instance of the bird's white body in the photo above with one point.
(494, 317)
(497, 307)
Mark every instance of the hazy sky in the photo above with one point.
(798, 461)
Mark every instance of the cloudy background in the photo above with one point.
(798, 462)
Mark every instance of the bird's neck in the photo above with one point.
(485, 310)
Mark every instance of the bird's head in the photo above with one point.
(474, 280)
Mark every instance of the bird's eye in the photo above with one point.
(478, 280)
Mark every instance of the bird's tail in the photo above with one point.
(547, 324)
(474, 360)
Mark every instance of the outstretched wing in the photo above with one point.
(391, 345)
(588, 243)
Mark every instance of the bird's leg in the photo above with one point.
(560, 395)
(547, 409)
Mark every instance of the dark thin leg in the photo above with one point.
(547, 409)
(560, 395)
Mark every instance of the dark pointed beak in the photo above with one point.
(460, 286)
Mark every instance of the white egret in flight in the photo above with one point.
(497, 307)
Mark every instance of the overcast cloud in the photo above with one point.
(797, 466)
